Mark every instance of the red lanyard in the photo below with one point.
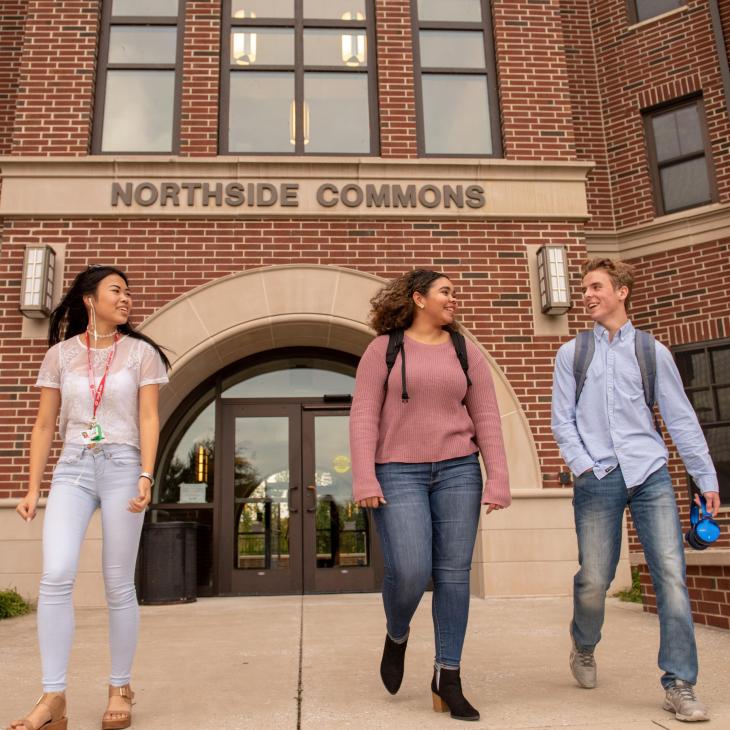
(97, 393)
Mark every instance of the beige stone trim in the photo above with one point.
(667, 233)
(21, 556)
(656, 18)
(712, 556)
(531, 548)
(48, 188)
(318, 306)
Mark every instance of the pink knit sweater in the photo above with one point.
(433, 425)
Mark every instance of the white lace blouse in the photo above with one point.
(65, 367)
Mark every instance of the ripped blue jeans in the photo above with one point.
(85, 479)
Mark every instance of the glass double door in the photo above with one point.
(288, 521)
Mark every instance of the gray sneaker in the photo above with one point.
(583, 666)
(680, 699)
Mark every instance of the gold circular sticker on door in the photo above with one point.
(341, 464)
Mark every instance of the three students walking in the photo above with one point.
(424, 410)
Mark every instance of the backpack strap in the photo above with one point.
(645, 347)
(646, 357)
(460, 346)
(585, 347)
(395, 345)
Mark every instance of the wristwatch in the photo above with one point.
(149, 476)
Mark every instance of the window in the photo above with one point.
(138, 87)
(458, 111)
(705, 371)
(298, 77)
(679, 156)
(644, 9)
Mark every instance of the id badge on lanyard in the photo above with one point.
(94, 434)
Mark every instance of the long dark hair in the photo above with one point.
(70, 317)
(393, 306)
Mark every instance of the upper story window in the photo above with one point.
(644, 9)
(298, 77)
(140, 62)
(705, 371)
(456, 89)
(680, 158)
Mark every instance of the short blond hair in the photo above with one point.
(621, 273)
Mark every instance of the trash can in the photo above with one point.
(168, 563)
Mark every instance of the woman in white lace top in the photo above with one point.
(102, 378)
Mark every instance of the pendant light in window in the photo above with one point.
(293, 122)
(353, 44)
(243, 42)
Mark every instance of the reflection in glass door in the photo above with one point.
(289, 523)
(337, 535)
(261, 521)
(261, 492)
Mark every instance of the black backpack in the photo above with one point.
(395, 345)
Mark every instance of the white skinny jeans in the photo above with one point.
(104, 476)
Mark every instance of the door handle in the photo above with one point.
(292, 510)
(313, 490)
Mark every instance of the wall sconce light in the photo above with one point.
(39, 272)
(552, 273)
(353, 45)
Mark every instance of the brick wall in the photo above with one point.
(535, 97)
(396, 91)
(654, 63)
(585, 103)
(11, 44)
(165, 259)
(683, 297)
(709, 593)
(201, 74)
(56, 78)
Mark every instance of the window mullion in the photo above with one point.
(299, 76)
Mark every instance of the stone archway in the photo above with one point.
(284, 306)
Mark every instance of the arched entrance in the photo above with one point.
(221, 333)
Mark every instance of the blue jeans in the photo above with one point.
(427, 529)
(599, 507)
(86, 479)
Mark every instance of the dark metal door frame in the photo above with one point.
(335, 579)
(303, 576)
(259, 582)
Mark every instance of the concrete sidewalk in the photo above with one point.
(312, 662)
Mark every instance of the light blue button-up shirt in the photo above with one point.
(612, 425)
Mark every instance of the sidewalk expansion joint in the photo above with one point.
(301, 655)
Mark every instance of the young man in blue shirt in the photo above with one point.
(610, 442)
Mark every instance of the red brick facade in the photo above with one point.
(573, 79)
(709, 593)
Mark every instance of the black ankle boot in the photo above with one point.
(447, 695)
(391, 666)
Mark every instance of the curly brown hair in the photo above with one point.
(393, 306)
(621, 273)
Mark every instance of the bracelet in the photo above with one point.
(149, 476)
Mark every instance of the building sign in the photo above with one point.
(146, 187)
(193, 194)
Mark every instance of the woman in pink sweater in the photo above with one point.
(415, 436)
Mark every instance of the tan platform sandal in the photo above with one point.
(118, 719)
(55, 703)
